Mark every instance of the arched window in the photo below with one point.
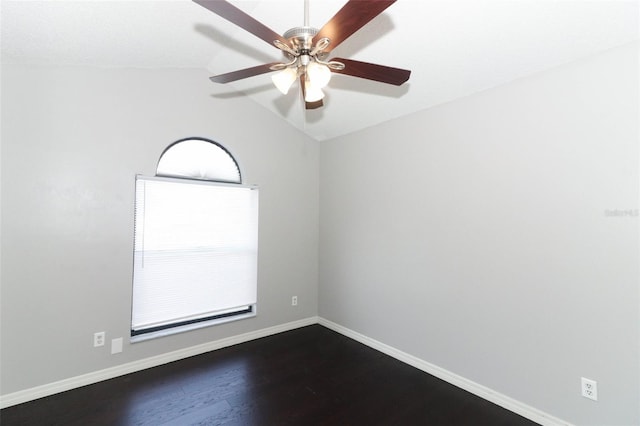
(195, 242)
(197, 158)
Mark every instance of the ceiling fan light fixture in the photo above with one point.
(306, 48)
(319, 74)
(313, 93)
(284, 79)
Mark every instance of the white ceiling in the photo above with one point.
(453, 47)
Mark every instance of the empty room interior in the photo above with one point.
(476, 220)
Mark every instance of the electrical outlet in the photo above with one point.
(294, 301)
(590, 389)
(98, 339)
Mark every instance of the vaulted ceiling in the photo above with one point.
(453, 47)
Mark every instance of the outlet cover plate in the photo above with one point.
(98, 339)
(589, 388)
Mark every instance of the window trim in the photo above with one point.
(249, 309)
(232, 314)
(226, 151)
(196, 325)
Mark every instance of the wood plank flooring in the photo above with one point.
(308, 376)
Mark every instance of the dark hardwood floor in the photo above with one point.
(308, 376)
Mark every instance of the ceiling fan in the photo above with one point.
(306, 49)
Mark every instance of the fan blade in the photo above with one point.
(308, 105)
(234, 15)
(375, 72)
(353, 16)
(245, 73)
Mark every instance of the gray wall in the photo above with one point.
(473, 235)
(72, 141)
(476, 236)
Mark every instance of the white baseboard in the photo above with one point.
(109, 373)
(497, 398)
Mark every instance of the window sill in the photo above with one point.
(189, 327)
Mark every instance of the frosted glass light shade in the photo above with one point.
(312, 92)
(318, 74)
(284, 79)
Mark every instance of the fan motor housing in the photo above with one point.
(301, 37)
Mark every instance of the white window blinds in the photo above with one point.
(195, 254)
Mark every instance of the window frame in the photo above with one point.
(221, 316)
(199, 139)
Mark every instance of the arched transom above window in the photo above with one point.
(197, 158)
